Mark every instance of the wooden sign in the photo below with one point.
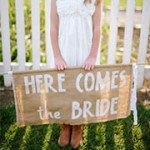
(73, 96)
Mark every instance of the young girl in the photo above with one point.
(75, 35)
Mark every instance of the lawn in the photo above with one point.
(113, 135)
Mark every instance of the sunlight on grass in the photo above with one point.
(137, 134)
(25, 137)
(85, 134)
(100, 138)
(11, 132)
(119, 136)
(47, 138)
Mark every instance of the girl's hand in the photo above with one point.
(89, 63)
(60, 63)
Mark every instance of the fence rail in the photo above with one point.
(21, 64)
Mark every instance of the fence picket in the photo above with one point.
(20, 33)
(35, 11)
(113, 31)
(5, 40)
(143, 40)
(128, 31)
(49, 52)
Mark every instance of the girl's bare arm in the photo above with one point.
(90, 61)
(96, 30)
(54, 29)
(59, 61)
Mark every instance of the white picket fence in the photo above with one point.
(7, 65)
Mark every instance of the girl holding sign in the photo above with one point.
(75, 35)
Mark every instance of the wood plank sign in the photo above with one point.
(72, 96)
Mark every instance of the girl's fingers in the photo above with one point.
(57, 66)
(61, 67)
(83, 66)
(92, 66)
(87, 67)
(65, 65)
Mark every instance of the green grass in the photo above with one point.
(113, 135)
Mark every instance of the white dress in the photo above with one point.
(75, 30)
